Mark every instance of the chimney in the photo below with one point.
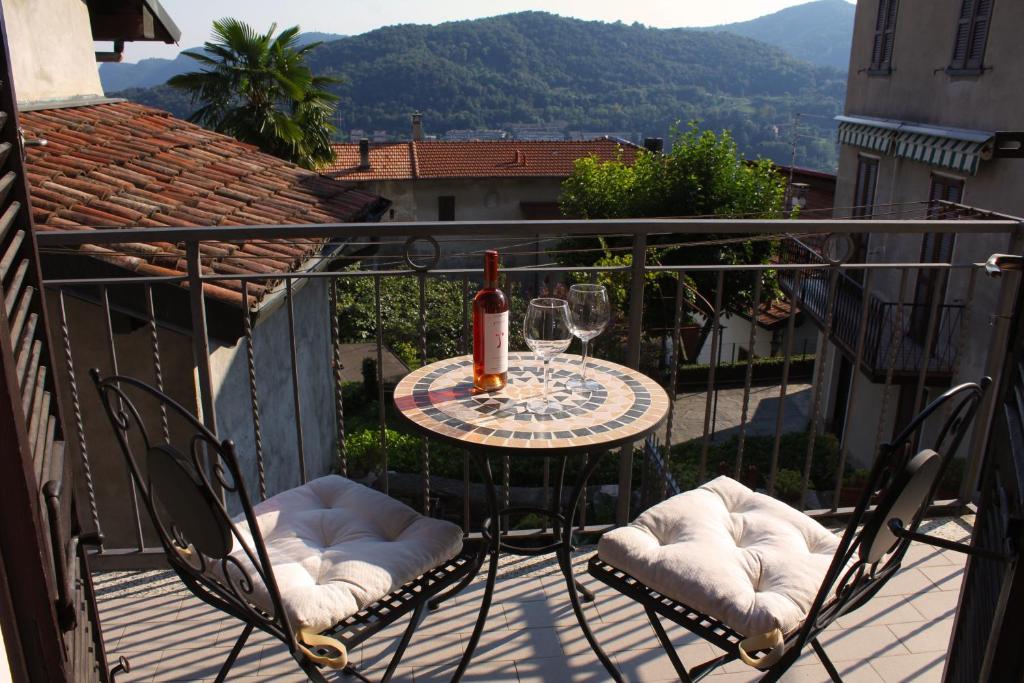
(364, 153)
(417, 126)
(656, 145)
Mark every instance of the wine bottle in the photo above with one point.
(490, 330)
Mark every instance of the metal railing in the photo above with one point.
(781, 438)
(895, 330)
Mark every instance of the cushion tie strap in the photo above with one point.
(771, 641)
(309, 637)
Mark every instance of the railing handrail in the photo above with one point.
(631, 226)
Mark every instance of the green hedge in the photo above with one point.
(765, 369)
(757, 452)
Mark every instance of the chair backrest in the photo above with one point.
(901, 486)
(185, 484)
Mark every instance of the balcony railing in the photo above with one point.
(895, 332)
(277, 391)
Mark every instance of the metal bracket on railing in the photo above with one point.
(997, 264)
(896, 527)
(122, 666)
(430, 260)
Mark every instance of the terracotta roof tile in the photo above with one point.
(126, 165)
(473, 159)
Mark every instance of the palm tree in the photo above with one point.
(258, 89)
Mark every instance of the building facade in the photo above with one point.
(932, 104)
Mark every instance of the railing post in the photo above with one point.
(995, 365)
(636, 321)
(200, 339)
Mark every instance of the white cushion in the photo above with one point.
(744, 558)
(337, 546)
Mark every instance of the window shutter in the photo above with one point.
(979, 33)
(885, 35)
(971, 35)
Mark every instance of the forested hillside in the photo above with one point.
(538, 67)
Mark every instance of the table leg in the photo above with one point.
(556, 507)
(494, 547)
(564, 554)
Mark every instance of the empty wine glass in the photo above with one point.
(547, 332)
(589, 313)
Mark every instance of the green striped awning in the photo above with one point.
(959, 155)
(866, 136)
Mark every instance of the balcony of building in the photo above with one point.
(258, 355)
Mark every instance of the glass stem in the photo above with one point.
(546, 382)
(583, 369)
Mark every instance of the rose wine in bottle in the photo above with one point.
(490, 330)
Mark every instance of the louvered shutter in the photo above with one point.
(885, 35)
(971, 35)
(876, 48)
(979, 33)
(42, 547)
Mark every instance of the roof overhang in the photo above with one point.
(959, 149)
(131, 20)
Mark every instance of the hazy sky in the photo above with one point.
(350, 18)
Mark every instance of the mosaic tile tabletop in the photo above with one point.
(440, 399)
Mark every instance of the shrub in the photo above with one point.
(757, 452)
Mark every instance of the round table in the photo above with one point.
(439, 399)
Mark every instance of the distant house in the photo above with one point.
(115, 163)
(812, 192)
(429, 180)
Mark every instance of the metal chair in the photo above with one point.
(224, 560)
(901, 486)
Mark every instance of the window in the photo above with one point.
(885, 37)
(971, 37)
(944, 189)
(446, 208)
(864, 192)
(935, 248)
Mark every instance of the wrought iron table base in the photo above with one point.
(561, 518)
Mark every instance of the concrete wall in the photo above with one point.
(231, 384)
(476, 199)
(918, 89)
(91, 349)
(274, 386)
(52, 54)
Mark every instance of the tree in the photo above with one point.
(258, 89)
(703, 175)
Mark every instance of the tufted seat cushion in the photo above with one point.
(744, 558)
(337, 546)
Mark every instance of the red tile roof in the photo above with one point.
(121, 164)
(473, 159)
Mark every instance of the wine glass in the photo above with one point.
(548, 334)
(589, 312)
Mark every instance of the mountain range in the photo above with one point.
(535, 67)
(817, 32)
(146, 73)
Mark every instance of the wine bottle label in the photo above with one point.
(495, 343)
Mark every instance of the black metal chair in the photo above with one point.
(224, 560)
(900, 489)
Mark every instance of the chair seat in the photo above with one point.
(337, 546)
(743, 558)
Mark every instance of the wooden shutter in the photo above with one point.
(979, 33)
(971, 36)
(885, 36)
(45, 586)
(864, 192)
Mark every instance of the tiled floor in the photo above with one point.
(901, 635)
